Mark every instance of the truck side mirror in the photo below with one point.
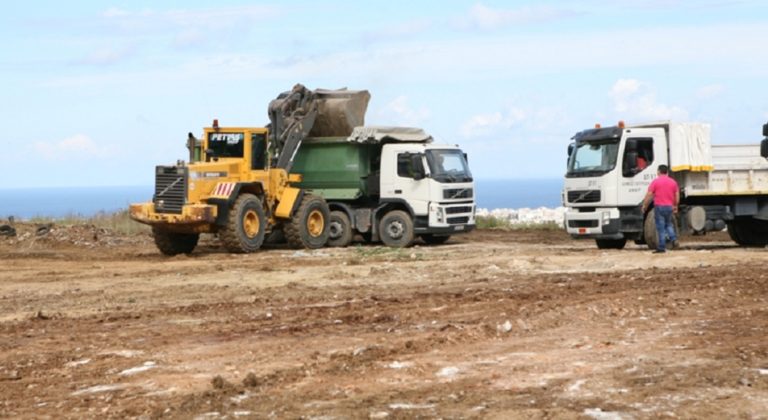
(418, 166)
(765, 130)
(570, 149)
(764, 148)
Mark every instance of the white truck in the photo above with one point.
(610, 168)
(390, 184)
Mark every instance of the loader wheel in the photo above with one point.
(340, 229)
(172, 243)
(308, 227)
(396, 229)
(431, 239)
(246, 225)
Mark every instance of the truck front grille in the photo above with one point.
(454, 193)
(582, 223)
(584, 196)
(170, 189)
(458, 209)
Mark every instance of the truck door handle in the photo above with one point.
(398, 191)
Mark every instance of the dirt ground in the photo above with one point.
(520, 324)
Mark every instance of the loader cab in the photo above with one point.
(230, 145)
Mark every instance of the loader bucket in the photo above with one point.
(339, 112)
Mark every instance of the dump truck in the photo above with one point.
(391, 184)
(238, 182)
(609, 170)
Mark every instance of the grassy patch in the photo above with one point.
(119, 222)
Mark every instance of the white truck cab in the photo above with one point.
(609, 170)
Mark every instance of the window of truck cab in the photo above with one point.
(593, 157)
(448, 165)
(225, 145)
(638, 155)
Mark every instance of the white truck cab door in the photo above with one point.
(643, 152)
(402, 180)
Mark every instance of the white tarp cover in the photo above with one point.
(376, 134)
(690, 148)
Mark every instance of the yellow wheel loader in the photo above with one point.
(238, 182)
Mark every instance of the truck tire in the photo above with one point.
(172, 243)
(340, 229)
(432, 239)
(246, 225)
(396, 229)
(649, 229)
(748, 232)
(611, 243)
(308, 227)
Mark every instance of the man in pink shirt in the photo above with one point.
(666, 197)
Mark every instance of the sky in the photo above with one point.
(94, 93)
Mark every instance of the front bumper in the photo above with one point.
(602, 223)
(196, 217)
(449, 218)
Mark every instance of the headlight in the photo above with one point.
(606, 217)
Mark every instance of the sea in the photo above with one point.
(89, 201)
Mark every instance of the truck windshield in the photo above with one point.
(225, 144)
(448, 165)
(593, 157)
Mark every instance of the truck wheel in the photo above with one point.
(340, 229)
(396, 229)
(611, 243)
(748, 232)
(431, 239)
(308, 228)
(172, 243)
(246, 225)
(649, 229)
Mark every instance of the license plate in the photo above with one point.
(458, 228)
(582, 230)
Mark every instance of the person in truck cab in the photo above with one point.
(666, 197)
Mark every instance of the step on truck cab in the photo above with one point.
(390, 184)
(609, 170)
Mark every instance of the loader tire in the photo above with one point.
(172, 243)
(396, 229)
(308, 227)
(246, 225)
(340, 229)
(431, 239)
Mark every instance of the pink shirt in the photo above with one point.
(664, 190)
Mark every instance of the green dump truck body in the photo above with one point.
(338, 169)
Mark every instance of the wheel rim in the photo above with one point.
(395, 229)
(334, 230)
(315, 223)
(251, 223)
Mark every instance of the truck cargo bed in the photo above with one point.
(738, 170)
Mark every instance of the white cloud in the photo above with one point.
(710, 91)
(634, 100)
(106, 56)
(77, 146)
(400, 112)
(398, 30)
(538, 120)
(481, 16)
